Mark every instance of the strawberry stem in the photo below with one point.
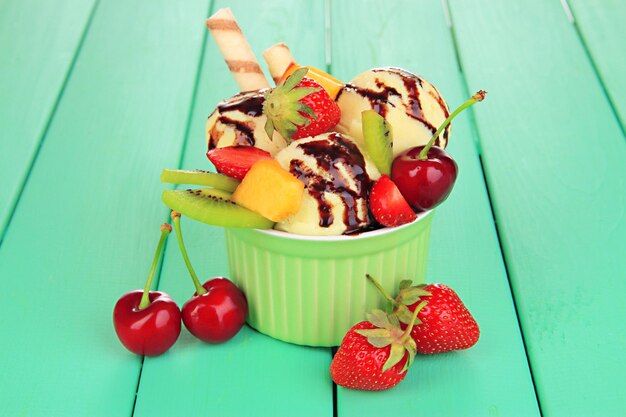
(145, 298)
(179, 234)
(479, 96)
(384, 292)
(409, 328)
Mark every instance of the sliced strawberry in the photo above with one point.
(300, 107)
(236, 161)
(387, 205)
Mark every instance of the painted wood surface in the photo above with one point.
(554, 160)
(493, 377)
(601, 26)
(251, 374)
(131, 96)
(88, 219)
(36, 58)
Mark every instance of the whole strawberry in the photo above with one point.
(375, 354)
(299, 107)
(444, 324)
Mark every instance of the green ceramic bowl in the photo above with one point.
(310, 290)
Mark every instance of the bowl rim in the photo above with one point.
(365, 235)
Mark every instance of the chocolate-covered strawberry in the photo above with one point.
(444, 323)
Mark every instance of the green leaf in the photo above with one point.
(412, 295)
(300, 93)
(404, 314)
(411, 348)
(396, 354)
(373, 332)
(269, 128)
(393, 319)
(379, 342)
(306, 109)
(295, 78)
(406, 283)
(379, 319)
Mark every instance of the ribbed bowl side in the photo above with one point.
(314, 301)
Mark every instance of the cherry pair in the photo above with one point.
(148, 322)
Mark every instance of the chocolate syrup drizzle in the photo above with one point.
(379, 100)
(249, 103)
(335, 155)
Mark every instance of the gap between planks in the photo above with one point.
(581, 38)
(180, 162)
(476, 134)
(40, 141)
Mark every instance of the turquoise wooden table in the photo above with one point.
(96, 96)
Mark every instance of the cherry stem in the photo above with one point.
(145, 298)
(479, 96)
(384, 292)
(179, 234)
(409, 328)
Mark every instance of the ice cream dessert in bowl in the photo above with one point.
(319, 183)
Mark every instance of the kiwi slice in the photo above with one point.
(212, 206)
(198, 177)
(378, 140)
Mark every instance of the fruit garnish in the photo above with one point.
(236, 161)
(270, 190)
(218, 309)
(387, 205)
(374, 354)
(446, 324)
(213, 207)
(299, 107)
(327, 81)
(426, 174)
(199, 177)
(378, 140)
(148, 322)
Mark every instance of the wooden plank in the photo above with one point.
(251, 374)
(492, 378)
(87, 223)
(554, 157)
(36, 58)
(601, 25)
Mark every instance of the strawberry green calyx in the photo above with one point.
(407, 296)
(389, 333)
(283, 108)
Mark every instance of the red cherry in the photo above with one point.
(218, 314)
(424, 183)
(148, 331)
(425, 174)
(148, 322)
(218, 309)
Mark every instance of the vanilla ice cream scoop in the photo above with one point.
(412, 106)
(337, 178)
(240, 121)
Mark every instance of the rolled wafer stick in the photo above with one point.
(278, 58)
(236, 51)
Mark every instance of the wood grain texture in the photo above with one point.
(554, 158)
(36, 57)
(492, 378)
(87, 223)
(601, 25)
(251, 374)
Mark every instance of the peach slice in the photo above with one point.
(270, 191)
